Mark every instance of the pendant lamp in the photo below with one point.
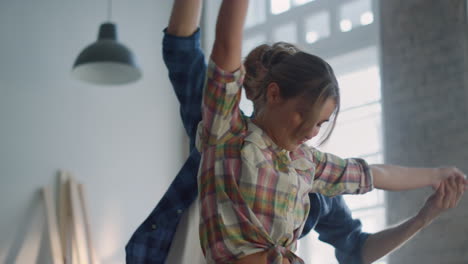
(106, 61)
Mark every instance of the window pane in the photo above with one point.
(373, 220)
(370, 199)
(359, 87)
(357, 133)
(280, 6)
(250, 43)
(355, 14)
(355, 61)
(286, 32)
(374, 159)
(312, 250)
(301, 2)
(246, 105)
(256, 13)
(317, 27)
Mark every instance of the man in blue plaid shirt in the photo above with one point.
(329, 217)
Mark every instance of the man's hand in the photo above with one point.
(448, 172)
(447, 195)
(185, 17)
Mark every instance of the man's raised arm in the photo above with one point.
(185, 61)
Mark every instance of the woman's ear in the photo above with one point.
(273, 94)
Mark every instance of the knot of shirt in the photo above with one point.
(283, 162)
(277, 253)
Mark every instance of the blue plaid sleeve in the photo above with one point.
(186, 65)
(337, 227)
(152, 240)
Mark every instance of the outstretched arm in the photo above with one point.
(446, 196)
(395, 178)
(228, 42)
(337, 227)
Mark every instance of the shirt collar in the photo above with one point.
(258, 137)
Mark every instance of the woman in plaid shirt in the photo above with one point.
(256, 173)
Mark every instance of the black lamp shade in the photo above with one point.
(106, 61)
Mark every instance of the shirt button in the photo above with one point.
(294, 191)
(153, 226)
(179, 211)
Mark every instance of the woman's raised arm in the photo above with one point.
(227, 47)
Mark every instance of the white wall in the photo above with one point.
(123, 143)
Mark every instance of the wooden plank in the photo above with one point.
(92, 252)
(72, 248)
(79, 233)
(52, 227)
(64, 213)
(29, 248)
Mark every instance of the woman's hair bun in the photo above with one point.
(259, 61)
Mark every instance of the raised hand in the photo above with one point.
(447, 195)
(448, 172)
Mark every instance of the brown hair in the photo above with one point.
(297, 74)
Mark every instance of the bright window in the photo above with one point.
(286, 32)
(317, 26)
(358, 133)
(280, 6)
(355, 14)
(301, 2)
(252, 42)
(256, 13)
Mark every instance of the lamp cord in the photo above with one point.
(109, 10)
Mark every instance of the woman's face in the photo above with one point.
(292, 123)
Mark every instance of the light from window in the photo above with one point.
(311, 250)
(373, 219)
(346, 25)
(367, 18)
(368, 200)
(301, 2)
(355, 14)
(246, 105)
(360, 87)
(286, 32)
(312, 37)
(357, 132)
(317, 27)
(256, 13)
(280, 6)
(252, 42)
